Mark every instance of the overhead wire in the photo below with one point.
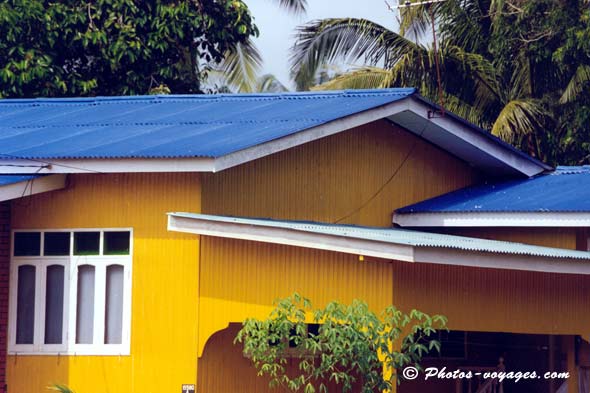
(48, 164)
(389, 180)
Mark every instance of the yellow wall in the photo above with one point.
(242, 279)
(336, 178)
(360, 177)
(165, 283)
(495, 300)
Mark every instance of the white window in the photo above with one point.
(70, 292)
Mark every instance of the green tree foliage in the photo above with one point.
(114, 47)
(519, 68)
(351, 347)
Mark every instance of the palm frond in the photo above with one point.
(241, 67)
(462, 23)
(296, 7)
(496, 8)
(480, 70)
(458, 106)
(469, 112)
(60, 388)
(323, 41)
(360, 78)
(270, 84)
(578, 83)
(519, 118)
(414, 21)
(521, 79)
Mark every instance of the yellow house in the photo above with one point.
(137, 233)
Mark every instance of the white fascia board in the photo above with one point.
(31, 187)
(491, 219)
(529, 263)
(474, 138)
(503, 155)
(291, 237)
(312, 134)
(383, 250)
(106, 165)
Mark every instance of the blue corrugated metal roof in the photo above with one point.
(170, 126)
(6, 180)
(401, 236)
(567, 189)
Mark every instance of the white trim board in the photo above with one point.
(410, 113)
(291, 237)
(491, 219)
(378, 249)
(33, 186)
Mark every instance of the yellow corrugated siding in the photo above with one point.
(336, 178)
(165, 282)
(359, 176)
(495, 300)
(242, 279)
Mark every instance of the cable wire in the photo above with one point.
(48, 164)
(393, 175)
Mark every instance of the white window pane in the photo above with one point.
(113, 332)
(54, 304)
(25, 309)
(85, 305)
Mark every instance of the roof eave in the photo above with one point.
(472, 144)
(31, 187)
(267, 233)
(492, 219)
(450, 133)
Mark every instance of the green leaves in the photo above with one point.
(60, 388)
(353, 347)
(114, 47)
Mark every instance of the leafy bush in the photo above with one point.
(350, 346)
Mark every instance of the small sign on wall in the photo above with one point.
(188, 388)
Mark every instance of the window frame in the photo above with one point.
(71, 264)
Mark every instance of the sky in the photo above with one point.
(277, 26)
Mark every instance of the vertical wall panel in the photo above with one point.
(359, 176)
(165, 282)
(241, 279)
(495, 300)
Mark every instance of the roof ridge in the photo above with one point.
(222, 96)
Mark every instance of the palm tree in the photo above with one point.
(495, 57)
(242, 64)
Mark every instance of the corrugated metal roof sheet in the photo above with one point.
(170, 126)
(401, 236)
(12, 179)
(567, 189)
